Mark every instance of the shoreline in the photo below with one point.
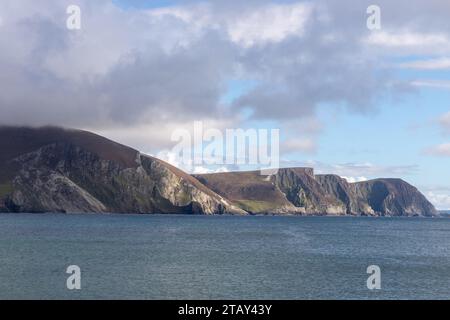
(213, 215)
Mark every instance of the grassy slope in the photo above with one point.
(5, 189)
(249, 190)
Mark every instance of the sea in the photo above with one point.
(223, 257)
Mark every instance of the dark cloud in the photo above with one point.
(130, 67)
(151, 84)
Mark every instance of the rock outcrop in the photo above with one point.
(394, 197)
(303, 190)
(346, 193)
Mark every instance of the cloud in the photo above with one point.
(437, 84)
(295, 145)
(439, 196)
(270, 24)
(157, 136)
(361, 170)
(188, 166)
(442, 150)
(109, 73)
(418, 42)
(430, 64)
(203, 170)
(134, 67)
(354, 179)
(445, 122)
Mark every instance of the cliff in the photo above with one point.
(72, 171)
(394, 197)
(299, 191)
(56, 170)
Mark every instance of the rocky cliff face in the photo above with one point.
(385, 197)
(394, 197)
(56, 170)
(67, 176)
(353, 203)
(290, 191)
(303, 190)
(320, 194)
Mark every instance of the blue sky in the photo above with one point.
(397, 134)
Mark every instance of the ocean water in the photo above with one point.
(222, 257)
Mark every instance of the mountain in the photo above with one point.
(57, 170)
(298, 190)
(72, 171)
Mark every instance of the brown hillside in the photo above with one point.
(16, 141)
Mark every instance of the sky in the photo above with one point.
(348, 100)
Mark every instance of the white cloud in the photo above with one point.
(264, 24)
(304, 145)
(203, 170)
(171, 158)
(445, 121)
(196, 19)
(440, 198)
(269, 24)
(430, 64)
(442, 150)
(437, 84)
(156, 136)
(188, 166)
(414, 42)
(354, 179)
(361, 170)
